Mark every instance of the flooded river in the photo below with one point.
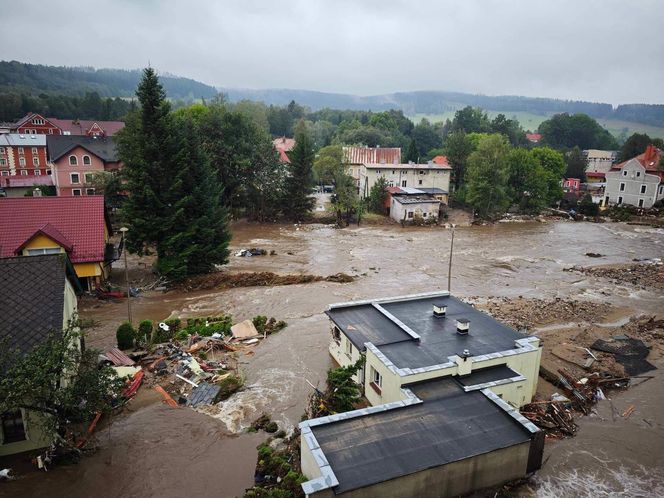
(155, 453)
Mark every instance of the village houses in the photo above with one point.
(76, 226)
(637, 182)
(444, 383)
(419, 176)
(355, 157)
(35, 124)
(39, 297)
(599, 163)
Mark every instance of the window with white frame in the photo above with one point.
(35, 161)
(21, 161)
(75, 178)
(619, 200)
(38, 121)
(35, 151)
(640, 203)
(3, 162)
(644, 188)
(622, 187)
(2, 150)
(4, 173)
(73, 161)
(20, 150)
(86, 160)
(349, 348)
(76, 192)
(624, 172)
(24, 172)
(376, 377)
(403, 183)
(37, 172)
(45, 250)
(49, 172)
(638, 174)
(88, 177)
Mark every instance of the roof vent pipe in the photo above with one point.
(463, 326)
(439, 310)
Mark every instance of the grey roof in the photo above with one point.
(491, 374)
(449, 425)
(438, 336)
(433, 190)
(415, 199)
(102, 147)
(22, 140)
(32, 298)
(204, 394)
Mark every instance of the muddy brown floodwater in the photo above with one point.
(154, 451)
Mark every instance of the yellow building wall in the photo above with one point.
(88, 269)
(41, 242)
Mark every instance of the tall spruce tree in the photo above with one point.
(298, 201)
(412, 153)
(146, 147)
(197, 233)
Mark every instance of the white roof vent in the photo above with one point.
(439, 310)
(463, 326)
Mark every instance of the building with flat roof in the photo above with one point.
(444, 382)
(429, 175)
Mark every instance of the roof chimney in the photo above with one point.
(463, 326)
(439, 310)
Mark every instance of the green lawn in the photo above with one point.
(531, 121)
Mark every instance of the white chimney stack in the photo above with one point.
(439, 310)
(463, 326)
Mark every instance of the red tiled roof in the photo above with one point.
(363, 155)
(649, 159)
(534, 137)
(79, 220)
(284, 144)
(52, 233)
(441, 160)
(81, 126)
(283, 157)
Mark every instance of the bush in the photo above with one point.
(144, 331)
(588, 207)
(125, 336)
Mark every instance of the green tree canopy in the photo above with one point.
(576, 164)
(637, 144)
(564, 131)
(328, 164)
(457, 149)
(486, 177)
(377, 196)
(297, 201)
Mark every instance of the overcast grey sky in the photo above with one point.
(598, 50)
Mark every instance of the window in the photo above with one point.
(76, 192)
(13, 429)
(421, 172)
(24, 172)
(20, 150)
(378, 171)
(424, 215)
(50, 131)
(45, 250)
(35, 161)
(89, 191)
(3, 162)
(4, 173)
(35, 151)
(638, 174)
(410, 214)
(21, 161)
(49, 172)
(640, 203)
(37, 172)
(661, 189)
(73, 161)
(336, 335)
(644, 188)
(625, 172)
(74, 177)
(38, 121)
(392, 171)
(86, 160)
(622, 187)
(619, 200)
(403, 183)
(88, 177)
(349, 348)
(376, 378)
(419, 182)
(2, 150)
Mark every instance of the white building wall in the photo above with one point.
(632, 185)
(400, 212)
(404, 176)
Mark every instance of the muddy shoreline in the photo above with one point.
(506, 261)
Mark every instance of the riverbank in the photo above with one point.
(502, 261)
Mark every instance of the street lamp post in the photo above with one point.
(449, 271)
(124, 231)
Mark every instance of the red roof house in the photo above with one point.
(283, 145)
(88, 127)
(442, 161)
(534, 137)
(77, 226)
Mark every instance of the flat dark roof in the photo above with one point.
(438, 336)
(449, 425)
(490, 374)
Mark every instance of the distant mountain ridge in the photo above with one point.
(19, 77)
(437, 102)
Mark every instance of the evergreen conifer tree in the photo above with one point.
(298, 201)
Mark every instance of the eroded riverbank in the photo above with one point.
(505, 260)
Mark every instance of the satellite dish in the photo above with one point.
(164, 327)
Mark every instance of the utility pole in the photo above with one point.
(124, 231)
(449, 271)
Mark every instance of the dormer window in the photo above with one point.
(73, 161)
(38, 121)
(86, 160)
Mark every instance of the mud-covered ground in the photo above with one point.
(514, 267)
